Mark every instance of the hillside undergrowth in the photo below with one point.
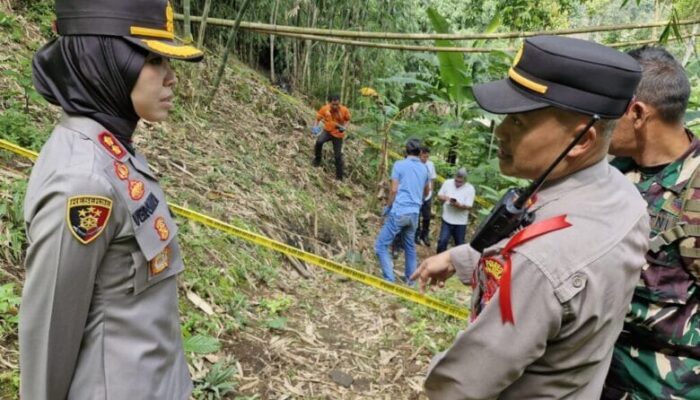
(256, 324)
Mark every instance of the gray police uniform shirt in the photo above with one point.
(570, 291)
(99, 316)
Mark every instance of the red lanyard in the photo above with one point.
(524, 235)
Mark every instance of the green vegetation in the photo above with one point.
(216, 384)
(245, 160)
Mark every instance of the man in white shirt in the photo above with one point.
(458, 197)
(424, 218)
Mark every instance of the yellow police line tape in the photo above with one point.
(329, 265)
(396, 156)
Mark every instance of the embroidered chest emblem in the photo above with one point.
(495, 275)
(136, 189)
(111, 144)
(493, 268)
(160, 262)
(161, 228)
(87, 216)
(492, 271)
(121, 170)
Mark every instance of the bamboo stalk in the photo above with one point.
(433, 36)
(186, 19)
(273, 20)
(392, 46)
(652, 41)
(690, 46)
(203, 24)
(227, 51)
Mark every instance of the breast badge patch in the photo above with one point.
(493, 270)
(161, 228)
(136, 189)
(121, 170)
(160, 262)
(87, 216)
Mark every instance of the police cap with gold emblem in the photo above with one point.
(567, 73)
(146, 23)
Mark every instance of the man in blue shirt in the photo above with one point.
(409, 185)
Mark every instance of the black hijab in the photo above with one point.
(92, 76)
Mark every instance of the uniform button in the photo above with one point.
(578, 281)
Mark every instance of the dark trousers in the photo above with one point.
(337, 152)
(424, 220)
(447, 231)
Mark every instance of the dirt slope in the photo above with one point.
(246, 160)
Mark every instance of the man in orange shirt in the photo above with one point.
(335, 118)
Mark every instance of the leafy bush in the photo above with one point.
(9, 318)
(217, 383)
(12, 236)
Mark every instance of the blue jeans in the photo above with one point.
(395, 225)
(447, 231)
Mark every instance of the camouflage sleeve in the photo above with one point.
(69, 229)
(689, 247)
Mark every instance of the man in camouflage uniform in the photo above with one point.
(658, 353)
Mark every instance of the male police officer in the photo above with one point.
(658, 353)
(99, 316)
(549, 301)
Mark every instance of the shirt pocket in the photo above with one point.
(164, 265)
(567, 290)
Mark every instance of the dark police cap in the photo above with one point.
(567, 73)
(146, 23)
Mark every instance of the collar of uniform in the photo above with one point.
(87, 126)
(93, 129)
(413, 158)
(141, 164)
(669, 178)
(686, 162)
(95, 132)
(555, 189)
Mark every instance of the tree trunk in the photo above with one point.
(655, 30)
(187, 23)
(252, 26)
(273, 21)
(306, 72)
(203, 25)
(344, 81)
(229, 45)
(454, 141)
(492, 128)
(383, 165)
(690, 46)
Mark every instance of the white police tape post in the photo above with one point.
(329, 265)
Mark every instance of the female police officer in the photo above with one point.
(99, 317)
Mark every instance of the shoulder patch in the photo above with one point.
(87, 216)
(112, 145)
